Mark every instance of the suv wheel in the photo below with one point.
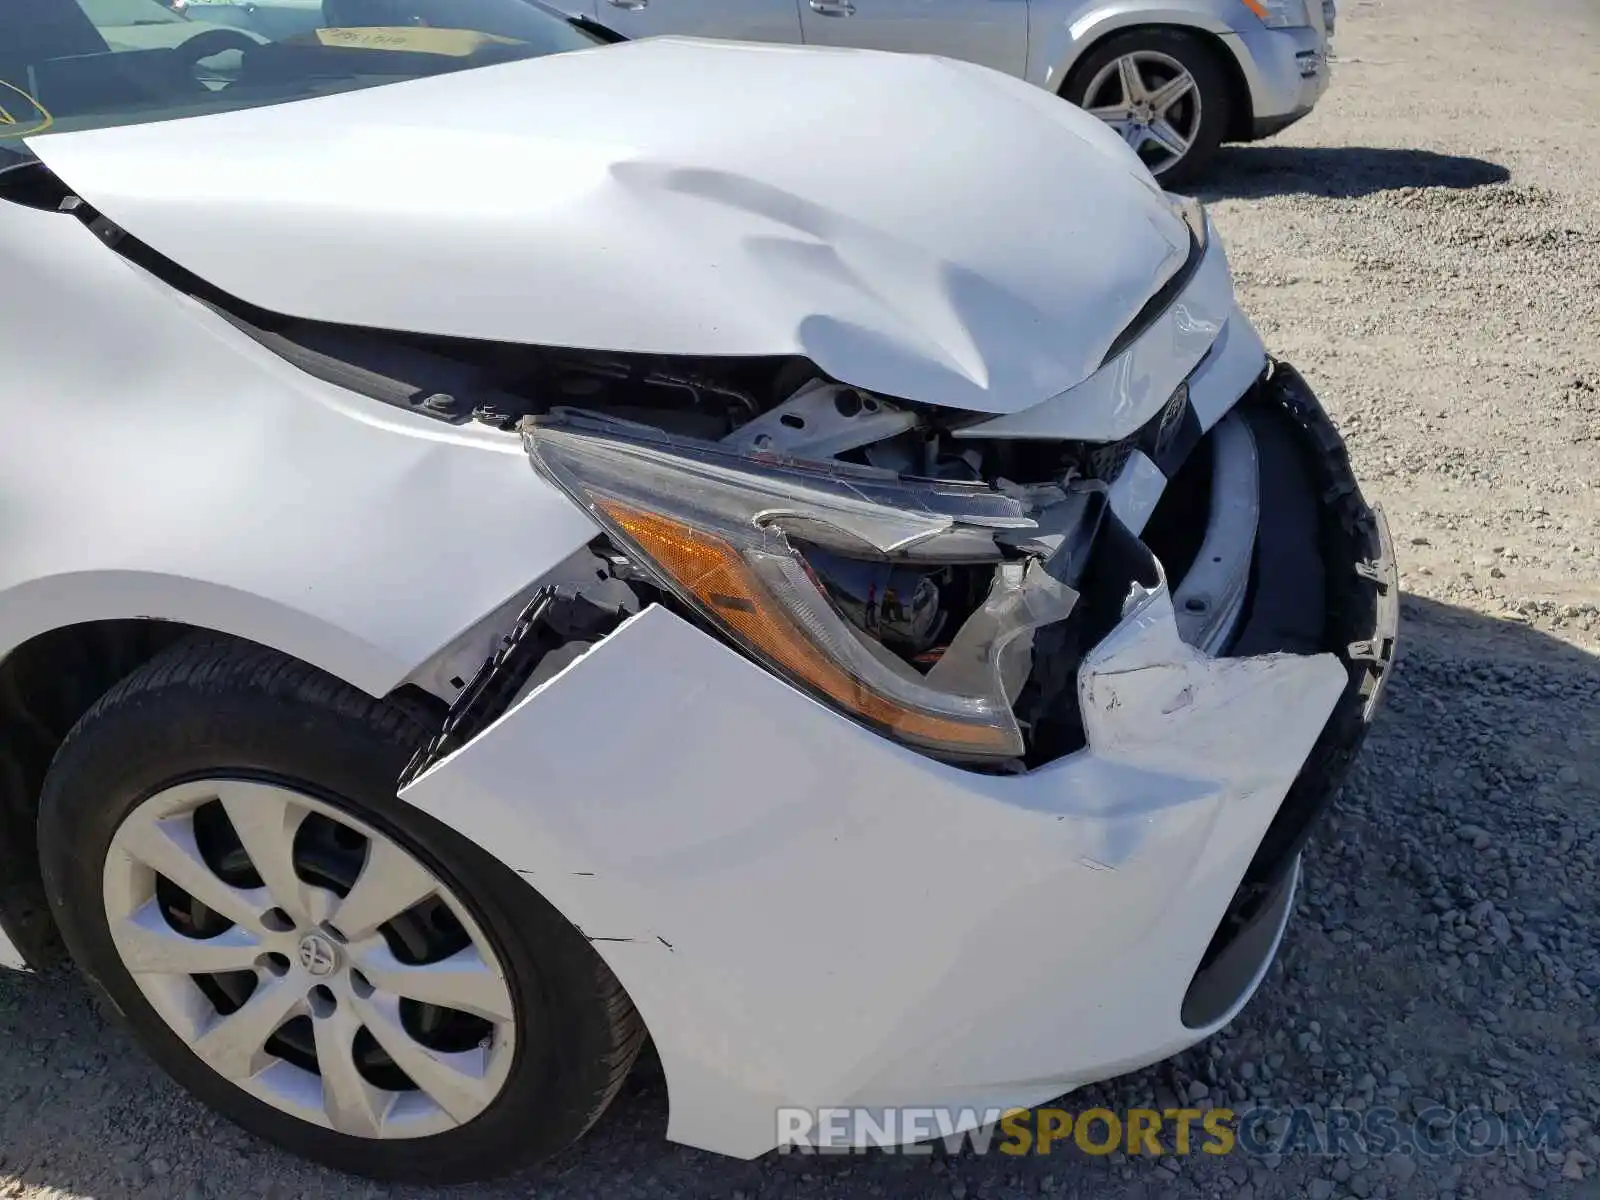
(1164, 92)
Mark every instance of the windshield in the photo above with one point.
(82, 64)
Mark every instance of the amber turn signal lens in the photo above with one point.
(722, 583)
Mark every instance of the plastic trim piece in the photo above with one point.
(1238, 970)
(1212, 595)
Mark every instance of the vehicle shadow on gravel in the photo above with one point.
(1339, 172)
(1445, 950)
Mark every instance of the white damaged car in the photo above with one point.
(791, 554)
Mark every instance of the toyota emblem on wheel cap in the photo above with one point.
(317, 955)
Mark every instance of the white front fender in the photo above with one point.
(158, 463)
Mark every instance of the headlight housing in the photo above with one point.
(727, 534)
(1281, 14)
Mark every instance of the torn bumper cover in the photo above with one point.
(807, 913)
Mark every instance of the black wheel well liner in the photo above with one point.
(46, 684)
(1241, 108)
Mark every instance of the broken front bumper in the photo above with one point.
(806, 914)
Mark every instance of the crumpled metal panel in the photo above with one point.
(916, 227)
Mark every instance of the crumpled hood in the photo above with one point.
(914, 226)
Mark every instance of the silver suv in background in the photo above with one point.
(1176, 78)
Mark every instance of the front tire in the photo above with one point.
(1164, 91)
(337, 972)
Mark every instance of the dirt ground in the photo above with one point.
(1426, 248)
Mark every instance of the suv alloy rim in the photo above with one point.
(1152, 101)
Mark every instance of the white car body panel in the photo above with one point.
(560, 183)
(942, 962)
(1236, 359)
(804, 912)
(207, 481)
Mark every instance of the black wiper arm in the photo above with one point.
(589, 25)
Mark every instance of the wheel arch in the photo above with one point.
(47, 682)
(1085, 36)
(68, 642)
(42, 605)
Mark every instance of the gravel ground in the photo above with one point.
(1426, 247)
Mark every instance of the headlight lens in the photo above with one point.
(1280, 14)
(727, 535)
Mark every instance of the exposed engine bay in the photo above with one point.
(938, 570)
(901, 562)
(938, 574)
(782, 406)
(890, 558)
(885, 556)
(939, 588)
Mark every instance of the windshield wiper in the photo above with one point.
(590, 26)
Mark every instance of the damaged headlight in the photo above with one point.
(1280, 14)
(765, 550)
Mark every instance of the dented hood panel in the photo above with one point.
(915, 226)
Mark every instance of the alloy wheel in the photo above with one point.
(1152, 101)
(309, 959)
